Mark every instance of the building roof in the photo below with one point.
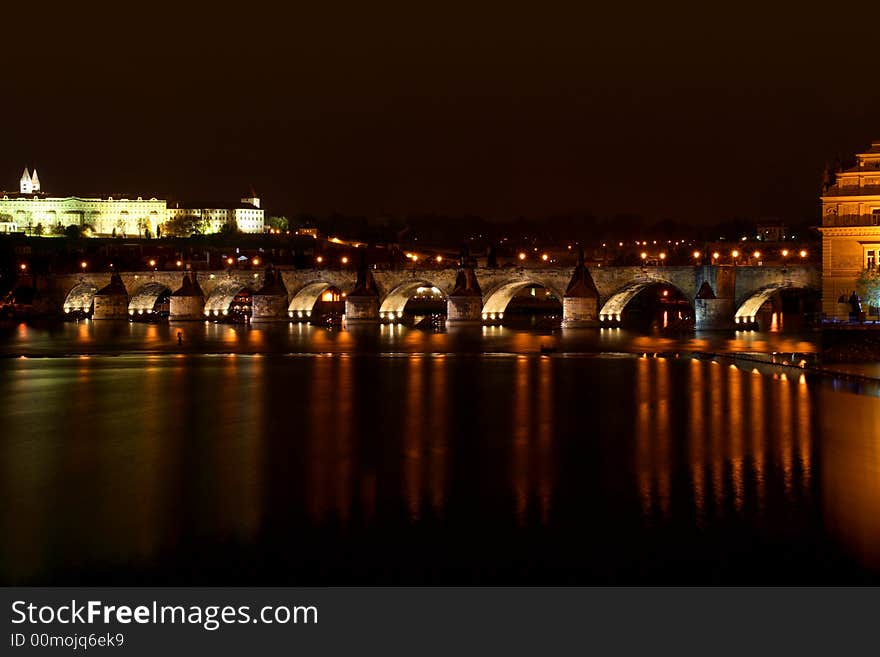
(210, 205)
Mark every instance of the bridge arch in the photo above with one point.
(496, 301)
(395, 301)
(302, 303)
(612, 309)
(148, 298)
(80, 298)
(747, 309)
(218, 302)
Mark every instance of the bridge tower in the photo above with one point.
(464, 305)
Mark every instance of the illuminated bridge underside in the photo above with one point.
(80, 297)
(496, 302)
(397, 298)
(750, 307)
(613, 308)
(304, 300)
(144, 300)
(222, 296)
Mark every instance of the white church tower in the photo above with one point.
(26, 184)
(35, 181)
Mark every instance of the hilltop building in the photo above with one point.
(850, 229)
(30, 207)
(246, 215)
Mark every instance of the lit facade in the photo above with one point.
(850, 230)
(104, 216)
(247, 216)
(30, 207)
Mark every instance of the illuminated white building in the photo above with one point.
(247, 216)
(31, 208)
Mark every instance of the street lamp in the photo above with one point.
(734, 254)
(716, 255)
(319, 260)
(344, 260)
(23, 267)
(256, 262)
(439, 259)
(544, 257)
(662, 256)
(696, 255)
(522, 256)
(803, 253)
(83, 265)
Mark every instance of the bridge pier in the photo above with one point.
(464, 305)
(362, 303)
(269, 303)
(712, 313)
(580, 304)
(188, 302)
(111, 302)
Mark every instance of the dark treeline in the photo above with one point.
(449, 231)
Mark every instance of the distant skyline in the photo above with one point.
(487, 111)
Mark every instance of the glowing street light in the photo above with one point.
(696, 255)
(256, 262)
(545, 257)
(83, 265)
(415, 258)
(734, 254)
(439, 258)
(756, 254)
(662, 256)
(319, 260)
(784, 253)
(803, 254)
(522, 256)
(229, 261)
(23, 267)
(152, 263)
(344, 260)
(644, 256)
(179, 263)
(716, 255)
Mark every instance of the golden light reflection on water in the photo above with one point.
(850, 472)
(728, 415)
(708, 441)
(533, 437)
(331, 420)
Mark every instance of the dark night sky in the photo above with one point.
(693, 113)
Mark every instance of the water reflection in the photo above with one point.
(734, 420)
(141, 455)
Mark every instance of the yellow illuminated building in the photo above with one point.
(850, 230)
(30, 208)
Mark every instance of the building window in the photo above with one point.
(870, 259)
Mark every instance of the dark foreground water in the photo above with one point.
(414, 459)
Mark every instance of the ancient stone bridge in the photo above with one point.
(722, 296)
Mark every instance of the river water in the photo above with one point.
(296, 455)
